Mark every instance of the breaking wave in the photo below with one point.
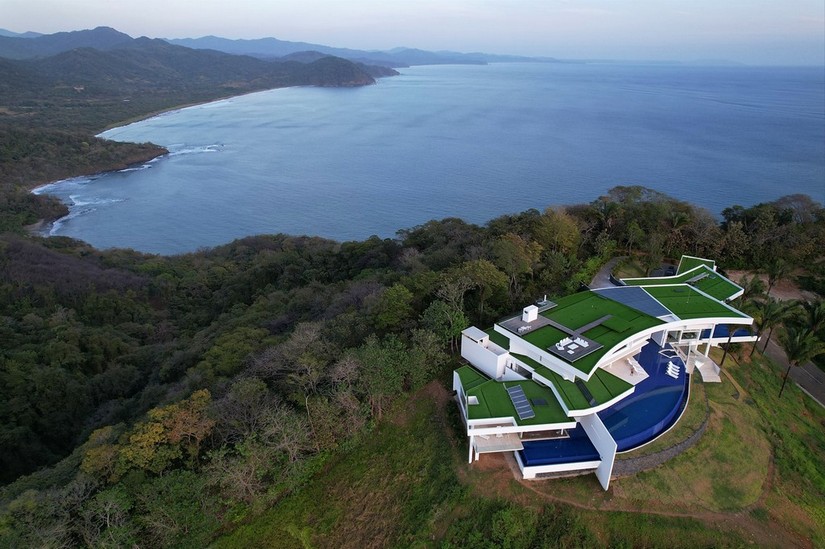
(195, 150)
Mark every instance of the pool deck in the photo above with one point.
(655, 403)
(628, 370)
(658, 399)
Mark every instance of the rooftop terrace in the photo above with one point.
(689, 262)
(700, 276)
(495, 402)
(596, 318)
(686, 303)
(582, 395)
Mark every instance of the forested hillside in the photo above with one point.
(217, 381)
(157, 401)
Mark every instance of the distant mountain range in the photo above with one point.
(4, 32)
(105, 39)
(398, 57)
(89, 79)
(104, 59)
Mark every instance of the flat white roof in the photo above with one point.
(475, 334)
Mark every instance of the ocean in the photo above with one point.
(465, 141)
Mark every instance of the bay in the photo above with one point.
(472, 142)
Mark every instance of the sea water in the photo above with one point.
(473, 142)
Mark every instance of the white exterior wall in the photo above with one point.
(482, 358)
(461, 395)
(605, 445)
(522, 347)
(510, 375)
(624, 350)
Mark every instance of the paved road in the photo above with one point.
(602, 278)
(808, 377)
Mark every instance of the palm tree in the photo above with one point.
(800, 345)
(815, 312)
(776, 270)
(731, 330)
(768, 315)
(754, 289)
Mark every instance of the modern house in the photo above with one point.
(568, 384)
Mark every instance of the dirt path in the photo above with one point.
(499, 476)
(784, 290)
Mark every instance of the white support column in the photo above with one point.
(471, 448)
(604, 444)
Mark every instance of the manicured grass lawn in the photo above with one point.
(687, 263)
(495, 402)
(759, 455)
(711, 283)
(580, 309)
(688, 303)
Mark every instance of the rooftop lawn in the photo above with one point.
(579, 309)
(498, 338)
(494, 402)
(689, 262)
(603, 386)
(687, 303)
(470, 377)
(713, 283)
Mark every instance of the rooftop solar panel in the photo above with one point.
(520, 402)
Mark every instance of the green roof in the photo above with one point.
(602, 386)
(498, 338)
(470, 377)
(689, 262)
(699, 276)
(494, 402)
(687, 303)
(577, 310)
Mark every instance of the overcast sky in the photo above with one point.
(749, 31)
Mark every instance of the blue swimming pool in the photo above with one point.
(655, 404)
(560, 450)
(722, 330)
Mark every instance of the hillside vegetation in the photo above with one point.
(172, 399)
(291, 390)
